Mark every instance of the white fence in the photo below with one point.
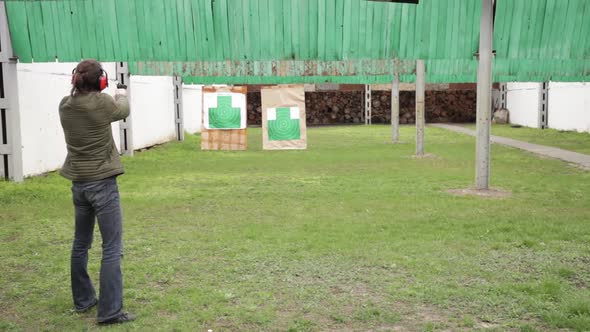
(152, 110)
(192, 97)
(568, 105)
(42, 86)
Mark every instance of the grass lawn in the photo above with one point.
(352, 234)
(568, 140)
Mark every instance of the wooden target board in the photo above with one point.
(283, 117)
(224, 118)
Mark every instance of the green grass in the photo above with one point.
(351, 234)
(568, 140)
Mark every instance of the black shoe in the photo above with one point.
(125, 317)
(83, 310)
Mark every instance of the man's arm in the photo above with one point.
(120, 106)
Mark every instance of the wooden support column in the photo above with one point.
(420, 118)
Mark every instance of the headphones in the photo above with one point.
(103, 81)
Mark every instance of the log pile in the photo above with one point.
(254, 108)
(333, 107)
(346, 107)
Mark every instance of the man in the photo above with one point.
(93, 164)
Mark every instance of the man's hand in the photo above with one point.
(121, 90)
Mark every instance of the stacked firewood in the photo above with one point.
(347, 107)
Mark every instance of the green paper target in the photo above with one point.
(224, 116)
(283, 124)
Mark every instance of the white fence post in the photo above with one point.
(125, 125)
(11, 161)
(543, 105)
(178, 116)
(368, 110)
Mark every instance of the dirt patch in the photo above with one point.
(486, 325)
(491, 193)
(416, 317)
(12, 238)
(9, 314)
(167, 315)
(22, 268)
(160, 284)
(425, 156)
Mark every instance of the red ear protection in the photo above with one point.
(104, 81)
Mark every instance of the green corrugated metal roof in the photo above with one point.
(542, 40)
(285, 41)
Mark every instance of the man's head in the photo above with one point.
(87, 77)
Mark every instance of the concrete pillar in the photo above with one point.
(420, 118)
(395, 108)
(484, 98)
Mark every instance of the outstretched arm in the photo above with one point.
(121, 105)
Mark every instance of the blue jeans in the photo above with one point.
(98, 200)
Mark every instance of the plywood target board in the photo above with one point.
(224, 118)
(283, 117)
